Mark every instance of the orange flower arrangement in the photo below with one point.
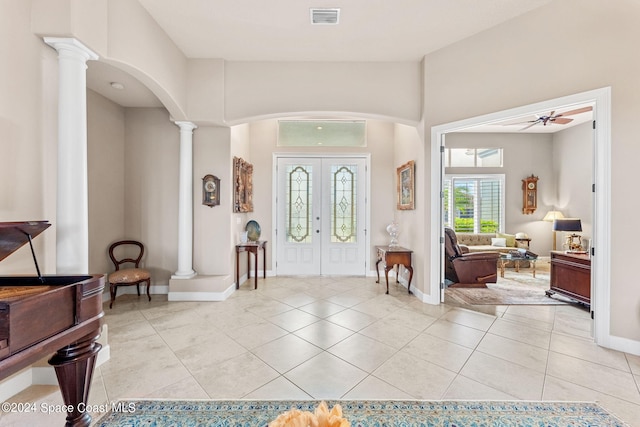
(321, 417)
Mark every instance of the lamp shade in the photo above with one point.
(553, 215)
(567, 224)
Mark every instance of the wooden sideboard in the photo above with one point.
(571, 276)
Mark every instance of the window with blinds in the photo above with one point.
(474, 203)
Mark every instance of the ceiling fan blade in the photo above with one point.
(532, 124)
(518, 123)
(561, 120)
(576, 111)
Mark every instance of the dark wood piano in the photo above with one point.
(57, 316)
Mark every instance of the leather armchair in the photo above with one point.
(468, 268)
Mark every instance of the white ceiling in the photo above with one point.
(525, 124)
(369, 30)
(258, 30)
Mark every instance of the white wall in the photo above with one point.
(151, 156)
(28, 134)
(106, 168)
(573, 162)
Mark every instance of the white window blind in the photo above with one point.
(474, 203)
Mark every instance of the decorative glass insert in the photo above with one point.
(322, 133)
(343, 203)
(299, 204)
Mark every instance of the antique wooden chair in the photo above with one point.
(127, 276)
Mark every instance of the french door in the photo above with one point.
(321, 216)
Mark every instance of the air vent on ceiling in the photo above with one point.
(325, 16)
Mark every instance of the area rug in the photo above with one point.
(369, 413)
(515, 288)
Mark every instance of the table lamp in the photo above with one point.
(570, 225)
(550, 217)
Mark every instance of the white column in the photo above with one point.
(72, 215)
(185, 203)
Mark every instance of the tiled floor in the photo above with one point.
(321, 338)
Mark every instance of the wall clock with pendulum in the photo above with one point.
(529, 194)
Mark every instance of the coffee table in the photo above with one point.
(504, 258)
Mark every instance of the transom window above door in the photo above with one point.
(473, 157)
(326, 133)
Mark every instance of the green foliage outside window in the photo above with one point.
(465, 225)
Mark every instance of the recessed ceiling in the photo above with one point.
(257, 30)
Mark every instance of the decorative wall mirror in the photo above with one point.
(243, 185)
(210, 190)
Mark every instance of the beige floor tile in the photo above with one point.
(525, 355)
(235, 378)
(390, 332)
(543, 324)
(505, 376)
(143, 379)
(189, 335)
(326, 376)
(372, 388)
(463, 388)
(267, 307)
(297, 299)
(363, 352)
(287, 352)
(411, 319)
(209, 354)
(293, 320)
(469, 318)
(418, 378)
(379, 306)
(538, 313)
(521, 332)
(137, 354)
(324, 334)
(322, 308)
(438, 351)
(252, 336)
(187, 388)
(280, 388)
(456, 333)
(347, 299)
(352, 319)
(594, 376)
(634, 363)
(586, 349)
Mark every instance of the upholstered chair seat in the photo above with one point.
(130, 276)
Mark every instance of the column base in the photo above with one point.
(188, 275)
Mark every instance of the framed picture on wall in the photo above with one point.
(406, 185)
(243, 185)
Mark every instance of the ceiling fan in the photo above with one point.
(559, 118)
